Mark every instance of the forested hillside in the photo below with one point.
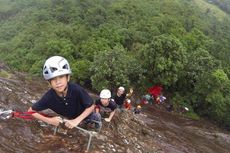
(183, 45)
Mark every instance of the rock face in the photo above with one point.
(152, 131)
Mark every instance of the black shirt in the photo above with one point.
(111, 107)
(71, 106)
(119, 99)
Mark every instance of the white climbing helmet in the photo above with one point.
(121, 88)
(55, 66)
(105, 93)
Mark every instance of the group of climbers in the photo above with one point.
(73, 105)
(154, 95)
(71, 102)
(107, 103)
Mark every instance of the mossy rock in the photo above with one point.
(4, 74)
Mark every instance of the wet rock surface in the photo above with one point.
(153, 131)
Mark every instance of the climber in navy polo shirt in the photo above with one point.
(68, 100)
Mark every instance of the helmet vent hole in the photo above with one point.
(65, 67)
(52, 69)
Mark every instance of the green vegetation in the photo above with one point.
(183, 45)
(4, 74)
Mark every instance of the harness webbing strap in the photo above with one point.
(26, 115)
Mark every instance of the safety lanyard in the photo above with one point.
(17, 114)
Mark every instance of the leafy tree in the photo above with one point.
(112, 68)
(81, 70)
(163, 59)
(195, 40)
(92, 46)
(213, 96)
(60, 46)
(199, 62)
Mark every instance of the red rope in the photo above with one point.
(26, 115)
